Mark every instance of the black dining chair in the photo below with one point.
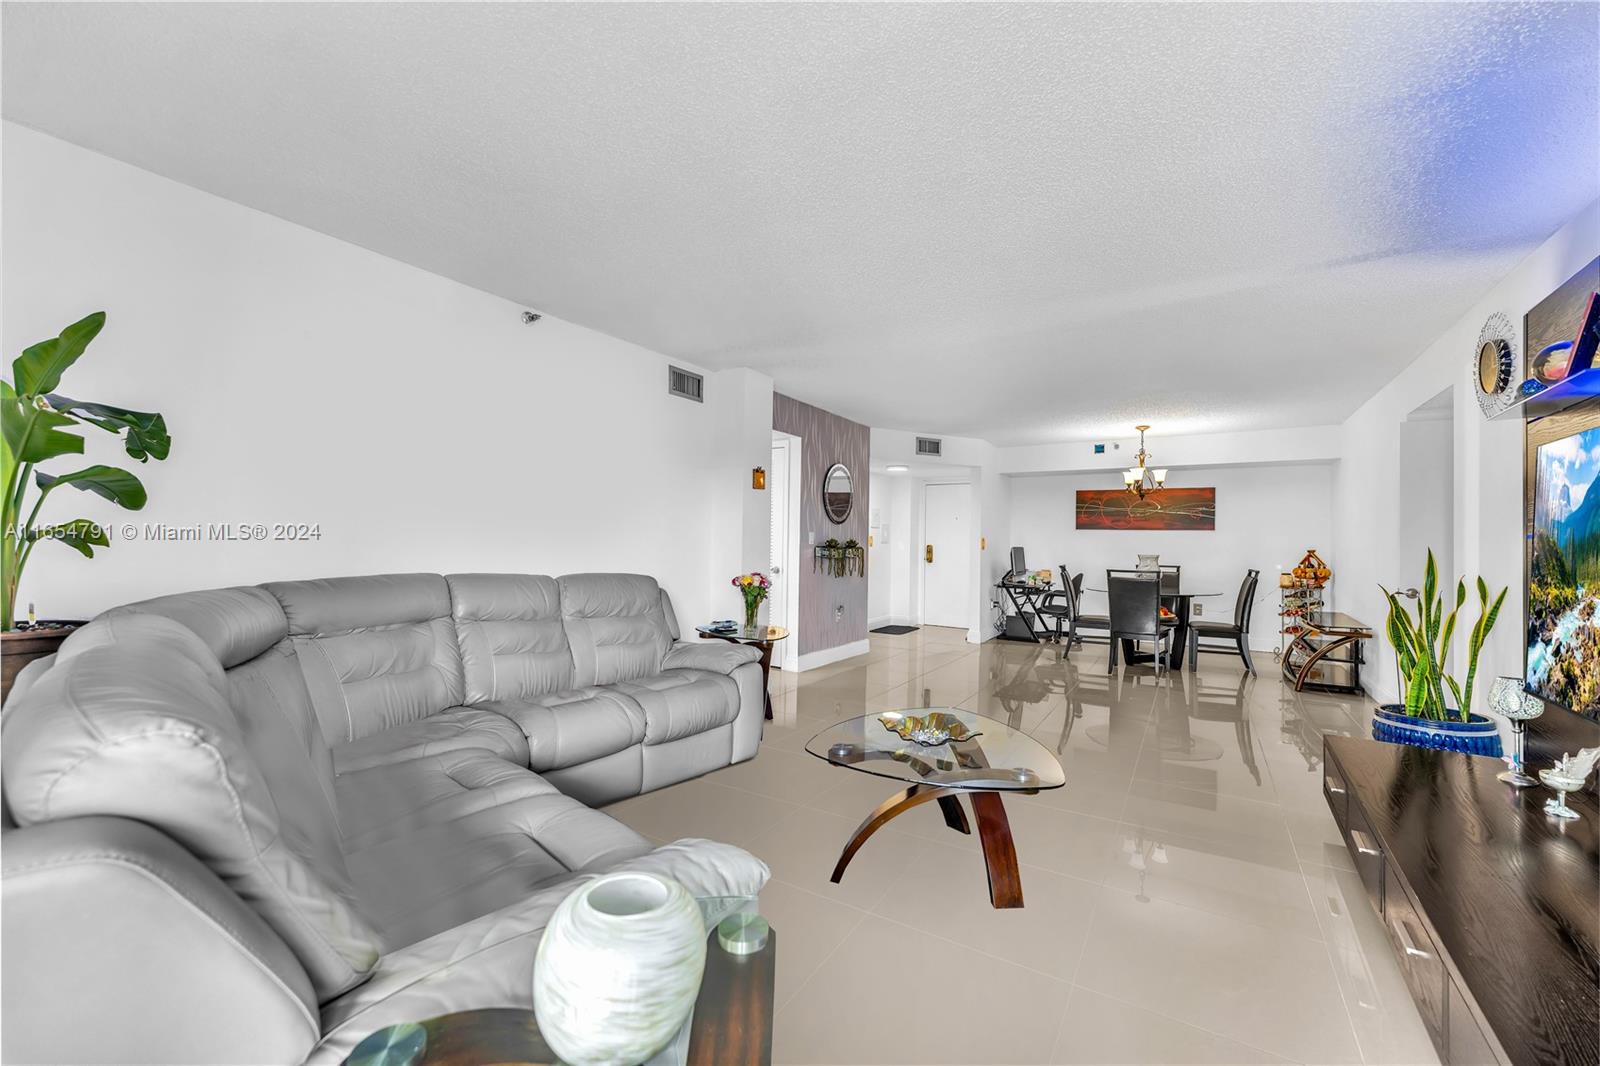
(1066, 607)
(1236, 632)
(1135, 597)
(1169, 579)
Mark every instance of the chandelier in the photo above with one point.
(1140, 479)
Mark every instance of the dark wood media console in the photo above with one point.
(1492, 907)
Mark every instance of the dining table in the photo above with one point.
(1180, 602)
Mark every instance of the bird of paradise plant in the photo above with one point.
(1422, 646)
(34, 418)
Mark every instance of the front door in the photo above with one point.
(947, 556)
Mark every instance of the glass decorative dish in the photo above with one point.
(1567, 775)
(930, 730)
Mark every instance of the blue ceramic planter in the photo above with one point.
(1476, 736)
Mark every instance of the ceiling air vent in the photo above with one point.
(688, 385)
(929, 446)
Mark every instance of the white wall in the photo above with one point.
(880, 574)
(1426, 504)
(418, 422)
(1487, 465)
(1267, 516)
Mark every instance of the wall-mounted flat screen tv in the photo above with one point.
(1564, 574)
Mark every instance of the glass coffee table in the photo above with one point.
(982, 758)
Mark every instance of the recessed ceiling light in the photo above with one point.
(897, 468)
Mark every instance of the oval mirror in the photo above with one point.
(838, 494)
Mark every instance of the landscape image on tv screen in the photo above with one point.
(1564, 574)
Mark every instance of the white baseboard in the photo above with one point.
(884, 620)
(813, 659)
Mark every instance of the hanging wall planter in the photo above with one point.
(840, 560)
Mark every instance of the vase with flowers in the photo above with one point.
(753, 587)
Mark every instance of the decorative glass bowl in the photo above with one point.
(929, 730)
(1560, 783)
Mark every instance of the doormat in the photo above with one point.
(895, 631)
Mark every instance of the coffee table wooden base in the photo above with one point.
(994, 833)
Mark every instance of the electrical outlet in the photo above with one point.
(1199, 609)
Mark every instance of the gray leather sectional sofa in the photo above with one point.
(255, 824)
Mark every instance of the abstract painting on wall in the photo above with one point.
(1194, 509)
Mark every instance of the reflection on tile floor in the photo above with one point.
(1188, 899)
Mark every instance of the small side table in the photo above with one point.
(761, 637)
(731, 1024)
(1314, 656)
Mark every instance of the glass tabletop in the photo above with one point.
(1165, 594)
(756, 634)
(993, 757)
(1336, 623)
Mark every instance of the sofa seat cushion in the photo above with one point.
(567, 728)
(454, 869)
(680, 703)
(390, 800)
(453, 730)
(489, 962)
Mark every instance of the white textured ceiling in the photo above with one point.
(1025, 223)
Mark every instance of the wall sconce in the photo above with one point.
(758, 478)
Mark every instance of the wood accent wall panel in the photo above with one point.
(825, 439)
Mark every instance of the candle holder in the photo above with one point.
(1509, 699)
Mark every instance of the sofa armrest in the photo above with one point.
(121, 946)
(715, 656)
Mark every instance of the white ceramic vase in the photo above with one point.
(618, 969)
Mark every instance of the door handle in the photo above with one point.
(927, 554)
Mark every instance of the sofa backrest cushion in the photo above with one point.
(134, 720)
(270, 702)
(670, 613)
(513, 643)
(237, 624)
(616, 626)
(376, 651)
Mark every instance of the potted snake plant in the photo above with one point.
(1436, 711)
(36, 420)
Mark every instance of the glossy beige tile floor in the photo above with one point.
(1187, 896)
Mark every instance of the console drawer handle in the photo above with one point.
(1403, 931)
(1364, 844)
(1337, 790)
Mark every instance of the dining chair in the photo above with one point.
(1136, 615)
(1069, 614)
(1236, 632)
(1169, 579)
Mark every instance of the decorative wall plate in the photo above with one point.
(1496, 369)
